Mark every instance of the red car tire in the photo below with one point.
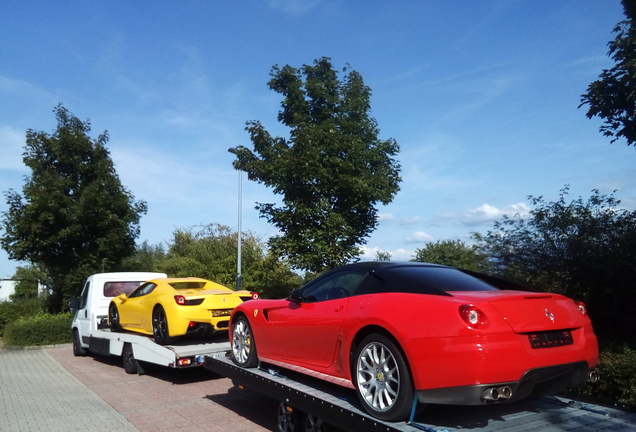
(243, 344)
(382, 379)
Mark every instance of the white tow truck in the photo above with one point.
(91, 333)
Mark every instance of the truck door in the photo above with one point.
(84, 315)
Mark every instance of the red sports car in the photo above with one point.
(399, 331)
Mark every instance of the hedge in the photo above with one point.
(617, 369)
(40, 329)
(12, 311)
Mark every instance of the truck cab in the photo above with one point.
(91, 308)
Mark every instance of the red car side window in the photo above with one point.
(338, 285)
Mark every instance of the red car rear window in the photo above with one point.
(422, 280)
(443, 279)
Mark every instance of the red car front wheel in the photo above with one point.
(243, 346)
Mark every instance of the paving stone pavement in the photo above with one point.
(51, 390)
(38, 394)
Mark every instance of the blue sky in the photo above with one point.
(482, 97)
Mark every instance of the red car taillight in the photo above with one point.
(179, 299)
(581, 307)
(472, 316)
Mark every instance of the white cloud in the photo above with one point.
(409, 221)
(487, 213)
(157, 176)
(11, 147)
(400, 254)
(386, 217)
(419, 237)
(22, 88)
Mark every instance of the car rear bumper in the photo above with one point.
(204, 322)
(535, 382)
(469, 361)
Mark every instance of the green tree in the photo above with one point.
(28, 280)
(613, 96)
(382, 255)
(332, 171)
(210, 252)
(583, 249)
(454, 253)
(147, 257)
(274, 278)
(74, 217)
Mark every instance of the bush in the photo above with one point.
(41, 329)
(12, 311)
(617, 369)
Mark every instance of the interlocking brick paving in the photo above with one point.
(166, 399)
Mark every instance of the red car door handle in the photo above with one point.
(339, 308)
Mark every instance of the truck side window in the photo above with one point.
(113, 289)
(84, 296)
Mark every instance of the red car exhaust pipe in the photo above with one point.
(493, 394)
(505, 392)
(490, 394)
(593, 376)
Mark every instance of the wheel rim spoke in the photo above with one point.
(241, 342)
(378, 376)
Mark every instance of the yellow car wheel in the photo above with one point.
(160, 326)
(113, 318)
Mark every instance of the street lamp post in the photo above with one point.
(239, 241)
(240, 220)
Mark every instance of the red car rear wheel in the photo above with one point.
(382, 379)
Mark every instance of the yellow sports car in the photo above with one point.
(173, 307)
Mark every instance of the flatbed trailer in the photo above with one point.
(332, 407)
(136, 349)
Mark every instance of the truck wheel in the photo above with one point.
(311, 423)
(113, 318)
(243, 345)
(78, 350)
(160, 326)
(288, 419)
(382, 379)
(130, 363)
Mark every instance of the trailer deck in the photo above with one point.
(339, 407)
(142, 348)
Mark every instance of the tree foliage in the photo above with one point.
(210, 252)
(583, 249)
(74, 217)
(454, 253)
(147, 257)
(381, 255)
(28, 280)
(331, 172)
(613, 96)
